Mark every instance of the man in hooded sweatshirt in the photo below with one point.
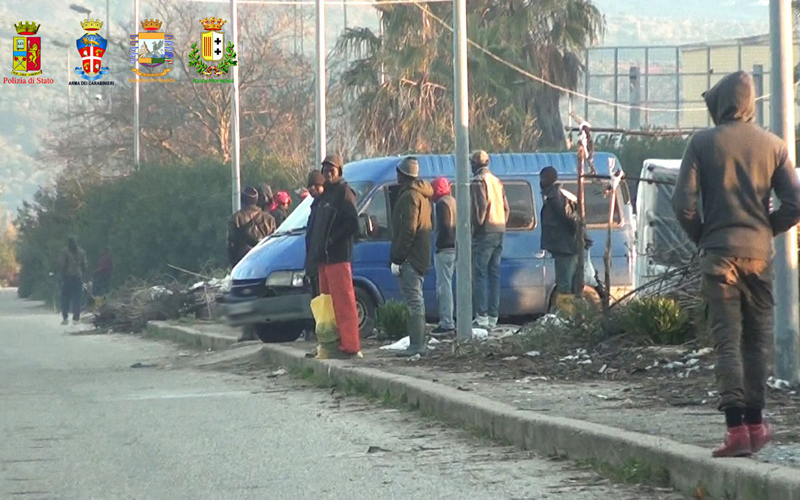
(332, 231)
(412, 224)
(489, 217)
(733, 168)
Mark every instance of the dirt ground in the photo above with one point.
(661, 391)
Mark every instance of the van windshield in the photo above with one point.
(298, 219)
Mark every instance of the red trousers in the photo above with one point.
(336, 280)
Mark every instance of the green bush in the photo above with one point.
(392, 320)
(657, 319)
(159, 215)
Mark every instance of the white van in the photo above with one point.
(661, 244)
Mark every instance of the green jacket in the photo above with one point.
(412, 225)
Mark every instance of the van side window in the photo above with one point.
(379, 215)
(522, 213)
(597, 202)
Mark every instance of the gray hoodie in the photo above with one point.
(733, 169)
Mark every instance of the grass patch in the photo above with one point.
(631, 471)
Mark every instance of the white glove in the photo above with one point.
(395, 269)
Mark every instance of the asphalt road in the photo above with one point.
(79, 421)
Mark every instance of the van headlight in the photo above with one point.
(286, 278)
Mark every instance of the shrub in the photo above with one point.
(392, 320)
(658, 319)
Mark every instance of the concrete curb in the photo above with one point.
(188, 336)
(687, 468)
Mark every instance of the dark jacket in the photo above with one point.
(311, 263)
(734, 167)
(332, 229)
(73, 263)
(559, 221)
(412, 224)
(279, 215)
(246, 228)
(489, 210)
(445, 223)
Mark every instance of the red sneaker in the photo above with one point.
(736, 444)
(760, 435)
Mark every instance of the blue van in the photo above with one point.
(268, 291)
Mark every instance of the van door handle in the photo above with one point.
(541, 255)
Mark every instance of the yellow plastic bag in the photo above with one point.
(326, 330)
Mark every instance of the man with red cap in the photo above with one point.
(281, 211)
(444, 260)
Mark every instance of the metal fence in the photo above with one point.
(640, 87)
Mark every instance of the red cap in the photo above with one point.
(441, 187)
(283, 198)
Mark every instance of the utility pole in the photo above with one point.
(321, 133)
(787, 319)
(136, 91)
(236, 174)
(463, 222)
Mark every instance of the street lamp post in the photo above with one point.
(136, 158)
(463, 229)
(321, 131)
(787, 319)
(236, 176)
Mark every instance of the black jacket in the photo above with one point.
(733, 168)
(445, 223)
(412, 225)
(559, 221)
(279, 214)
(332, 227)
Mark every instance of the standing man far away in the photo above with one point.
(489, 217)
(559, 234)
(247, 227)
(73, 269)
(412, 224)
(445, 258)
(332, 230)
(733, 168)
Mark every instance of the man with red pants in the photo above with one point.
(332, 233)
(733, 168)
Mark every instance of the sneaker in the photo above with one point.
(492, 322)
(760, 435)
(481, 322)
(65, 322)
(736, 443)
(440, 332)
(76, 322)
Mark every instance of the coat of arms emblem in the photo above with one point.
(152, 48)
(27, 50)
(91, 47)
(213, 57)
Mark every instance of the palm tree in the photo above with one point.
(400, 81)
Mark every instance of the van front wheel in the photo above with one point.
(367, 312)
(271, 333)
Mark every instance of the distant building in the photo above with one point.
(704, 64)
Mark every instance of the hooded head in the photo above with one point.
(441, 187)
(264, 195)
(732, 99)
(283, 198)
(316, 184)
(332, 168)
(72, 244)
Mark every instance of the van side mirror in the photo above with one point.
(365, 226)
